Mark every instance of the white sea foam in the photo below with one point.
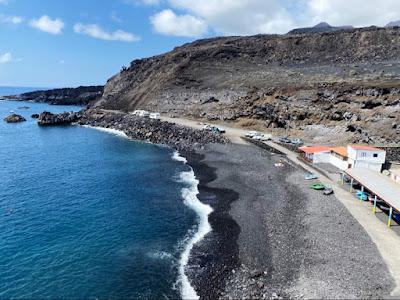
(176, 156)
(160, 255)
(189, 195)
(108, 130)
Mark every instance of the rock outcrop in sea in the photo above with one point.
(14, 118)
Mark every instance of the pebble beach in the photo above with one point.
(275, 238)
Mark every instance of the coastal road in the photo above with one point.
(232, 133)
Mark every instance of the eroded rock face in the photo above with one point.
(14, 118)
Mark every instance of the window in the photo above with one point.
(375, 154)
(363, 154)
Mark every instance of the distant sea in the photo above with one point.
(92, 214)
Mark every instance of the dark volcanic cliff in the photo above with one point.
(287, 81)
(65, 96)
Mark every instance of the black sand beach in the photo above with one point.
(273, 237)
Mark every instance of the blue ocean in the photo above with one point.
(91, 214)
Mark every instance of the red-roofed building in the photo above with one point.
(315, 154)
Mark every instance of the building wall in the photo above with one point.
(365, 159)
(322, 157)
(367, 165)
(366, 155)
(338, 163)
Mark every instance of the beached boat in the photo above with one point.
(317, 186)
(362, 196)
(311, 176)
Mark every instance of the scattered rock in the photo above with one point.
(14, 118)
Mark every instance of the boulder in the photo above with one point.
(14, 118)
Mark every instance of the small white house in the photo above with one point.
(366, 157)
(316, 154)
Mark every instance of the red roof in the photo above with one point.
(314, 149)
(366, 148)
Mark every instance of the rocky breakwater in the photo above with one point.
(154, 131)
(14, 118)
(47, 118)
(138, 128)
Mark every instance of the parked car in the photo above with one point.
(328, 191)
(262, 137)
(284, 140)
(297, 142)
(214, 129)
(311, 176)
(220, 129)
(250, 134)
(155, 116)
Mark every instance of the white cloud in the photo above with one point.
(168, 23)
(243, 17)
(7, 58)
(11, 19)
(354, 12)
(46, 24)
(97, 32)
(246, 17)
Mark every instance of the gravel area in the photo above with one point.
(293, 242)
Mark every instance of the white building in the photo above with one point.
(366, 157)
(316, 154)
(339, 158)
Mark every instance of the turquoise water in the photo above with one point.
(86, 214)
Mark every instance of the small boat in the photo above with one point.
(362, 196)
(328, 191)
(317, 186)
(311, 176)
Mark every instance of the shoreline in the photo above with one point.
(190, 196)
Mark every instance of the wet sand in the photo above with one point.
(273, 237)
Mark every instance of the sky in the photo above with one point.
(67, 43)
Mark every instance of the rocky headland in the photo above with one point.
(82, 95)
